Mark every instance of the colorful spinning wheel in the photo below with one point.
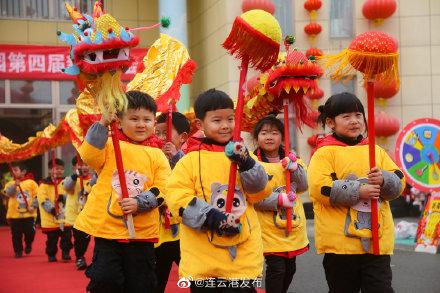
(418, 153)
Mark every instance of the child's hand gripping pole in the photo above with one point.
(372, 157)
(287, 150)
(237, 131)
(128, 219)
(19, 187)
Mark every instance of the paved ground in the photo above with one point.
(412, 271)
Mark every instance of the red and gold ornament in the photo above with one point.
(312, 6)
(378, 10)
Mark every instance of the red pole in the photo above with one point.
(119, 165)
(286, 153)
(19, 187)
(237, 131)
(372, 157)
(170, 122)
(55, 181)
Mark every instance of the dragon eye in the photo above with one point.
(220, 203)
(136, 181)
(236, 202)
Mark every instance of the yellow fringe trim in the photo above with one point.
(109, 94)
(343, 66)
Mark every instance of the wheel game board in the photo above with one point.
(418, 155)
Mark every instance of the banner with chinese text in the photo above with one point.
(28, 62)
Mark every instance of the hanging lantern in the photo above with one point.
(266, 5)
(378, 10)
(312, 6)
(385, 90)
(314, 52)
(312, 29)
(385, 125)
(315, 96)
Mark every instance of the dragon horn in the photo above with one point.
(74, 15)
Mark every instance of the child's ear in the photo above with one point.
(330, 123)
(183, 137)
(199, 124)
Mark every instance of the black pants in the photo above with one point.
(19, 228)
(360, 272)
(216, 286)
(166, 254)
(81, 242)
(121, 267)
(52, 241)
(279, 273)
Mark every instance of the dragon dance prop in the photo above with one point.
(254, 39)
(161, 75)
(375, 55)
(100, 53)
(286, 84)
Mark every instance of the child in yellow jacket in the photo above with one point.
(119, 263)
(280, 248)
(52, 203)
(21, 216)
(78, 186)
(341, 185)
(167, 250)
(217, 247)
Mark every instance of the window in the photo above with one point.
(283, 13)
(344, 86)
(2, 91)
(68, 92)
(42, 9)
(31, 92)
(341, 19)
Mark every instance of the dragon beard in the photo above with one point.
(108, 93)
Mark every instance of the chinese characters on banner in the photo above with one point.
(428, 232)
(45, 62)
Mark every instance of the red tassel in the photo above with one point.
(244, 40)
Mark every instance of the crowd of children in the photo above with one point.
(178, 202)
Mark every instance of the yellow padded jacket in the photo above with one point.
(335, 168)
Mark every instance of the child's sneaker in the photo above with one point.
(28, 249)
(52, 258)
(18, 254)
(66, 256)
(81, 264)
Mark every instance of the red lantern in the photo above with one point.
(385, 125)
(378, 10)
(312, 29)
(314, 52)
(384, 90)
(266, 5)
(312, 6)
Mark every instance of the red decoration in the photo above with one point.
(252, 83)
(378, 10)
(312, 140)
(316, 95)
(314, 52)
(383, 48)
(385, 125)
(385, 90)
(312, 29)
(266, 5)
(312, 6)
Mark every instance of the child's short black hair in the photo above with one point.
(211, 100)
(75, 160)
(58, 162)
(19, 164)
(271, 120)
(139, 100)
(339, 104)
(179, 121)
